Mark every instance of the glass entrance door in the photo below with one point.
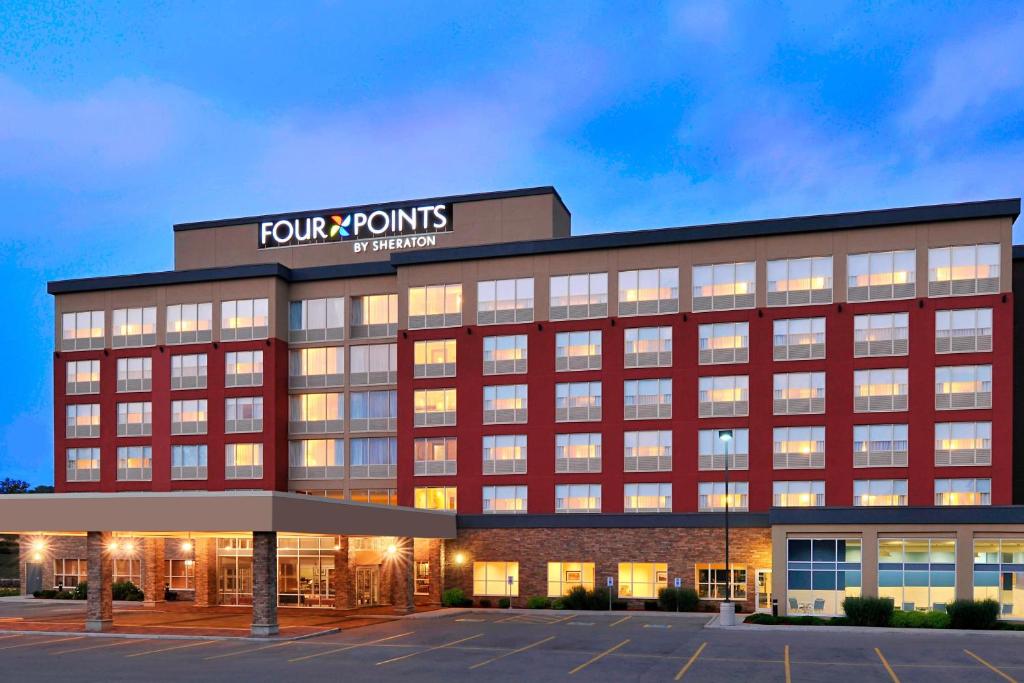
(764, 590)
(367, 585)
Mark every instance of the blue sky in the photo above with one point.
(119, 119)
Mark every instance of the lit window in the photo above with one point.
(648, 347)
(69, 573)
(134, 463)
(798, 339)
(504, 301)
(648, 292)
(134, 374)
(133, 327)
(964, 330)
(647, 498)
(724, 343)
(959, 271)
(505, 355)
(504, 499)
(821, 574)
(963, 443)
(646, 399)
(243, 414)
(578, 350)
(578, 498)
(711, 449)
(577, 401)
(374, 496)
(82, 377)
(801, 494)
(316, 459)
(575, 297)
(880, 390)
(435, 455)
(711, 496)
(135, 419)
(499, 579)
(882, 275)
(244, 368)
(578, 452)
(880, 492)
(963, 386)
(375, 315)
(564, 576)
(188, 462)
(881, 445)
(188, 417)
(83, 420)
(642, 580)
(373, 411)
(180, 575)
(373, 458)
(189, 371)
(244, 319)
(798, 393)
(435, 497)
(647, 451)
(189, 323)
(882, 334)
(82, 331)
(434, 358)
(798, 448)
(713, 580)
(243, 461)
(504, 454)
(316, 320)
(316, 413)
(724, 396)
(505, 403)
(434, 407)
(435, 306)
(724, 286)
(997, 574)
(797, 281)
(83, 464)
(917, 574)
(316, 367)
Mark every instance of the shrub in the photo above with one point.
(920, 620)
(620, 604)
(82, 590)
(761, 618)
(687, 599)
(170, 596)
(667, 599)
(484, 602)
(981, 614)
(48, 594)
(504, 603)
(868, 611)
(8, 592)
(538, 602)
(650, 605)
(453, 597)
(65, 595)
(125, 590)
(558, 603)
(576, 598)
(598, 599)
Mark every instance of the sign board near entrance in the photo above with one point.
(369, 229)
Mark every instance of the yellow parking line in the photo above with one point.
(349, 647)
(429, 649)
(785, 654)
(97, 647)
(42, 642)
(604, 654)
(254, 649)
(885, 663)
(690, 661)
(513, 652)
(562, 620)
(628, 616)
(169, 649)
(993, 668)
(13, 635)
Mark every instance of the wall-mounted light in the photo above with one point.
(460, 558)
(392, 549)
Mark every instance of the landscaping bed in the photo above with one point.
(982, 615)
(579, 598)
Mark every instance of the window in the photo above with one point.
(564, 576)
(647, 497)
(422, 577)
(83, 464)
(963, 443)
(647, 292)
(821, 573)
(82, 377)
(883, 334)
(724, 343)
(82, 331)
(711, 496)
(188, 417)
(505, 500)
(243, 414)
(647, 399)
(243, 461)
(960, 271)
(578, 452)
(798, 448)
(798, 393)
(189, 371)
(134, 463)
(505, 403)
(798, 281)
(648, 347)
(577, 401)
(798, 494)
(375, 316)
(504, 301)
(133, 327)
(135, 419)
(374, 496)
(373, 411)
(244, 319)
(316, 459)
(647, 451)
(434, 358)
(919, 574)
(435, 498)
(373, 458)
(880, 390)
(642, 579)
(435, 455)
(722, 396)
(69, 573)
(180, 575)
(882, 445)
(83, 421)
(134, 374)
(316, 413)
(188, 461)
(963, 491)
(713, 579)
(997, 574)
(316, 367)
(496, 579)
(505, 355)
(244, 368)
(374, 364)
(578, 350)
(882, 275)
(963, 386)
(435, 306)
(575, 297)
(504, 454)
(798, 339)
(578, 498)
(312, 320)
(879, 492)
(724, 286)
(964, 330)
(711, 449)
(189, 323)
(434, 407)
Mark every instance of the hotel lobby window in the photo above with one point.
(711, 449)
(919, 574)
(564, 576)
(189, 323)
(373, 458)
(505, 355)
(83, 464)
(243, 369)
(881, 334)
(316, 413)
(435, 306)
(305, 571)
(642, 579)
(798, 494)
(578, 350)
(316, 459)
(711, 580)
(963, 443)
(375, 315)
(961, 271)
(571, 498)
(963, 387)
(133, 327)
(504, 301)
(434, 358)
(647, 497)
(69, 572)
(884, 390)
(999, 574)
(504, 454)
(434, 407)
(180, 575)
(134, 463)
(881, 276)
(798, 339)
(578, 402)
(504, 500)
(968, 491)
(649, 451)
(189, 371)
(725, 396)
(311, 320)
(492, 579)
(243, 461)
(505, 404)
(821, 573)
(964, 330)
(797, 393)
(435, 498)
(723, 343)
(436, 455)
(880, 492)
(315, 367)
(188, 462)
(576, 297)
(881, 445)
(580, 452)
(711, 496)
(82, 331)
(82, 377)
(648, 292)
(244, 319)
(799, 281)
(724, 286)
(134, 374)
(234, 571)
(648, 347)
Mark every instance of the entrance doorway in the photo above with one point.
(367, 585)
(764, 590)
(33, 577)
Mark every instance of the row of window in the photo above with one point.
(241, 415)
(135, 463)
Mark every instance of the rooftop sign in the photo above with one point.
(367, 229)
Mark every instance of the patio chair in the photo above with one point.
(939, 607)
(794, 606)
(908, 607)
(819, 604)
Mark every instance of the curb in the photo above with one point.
(155, 636)
(455, 611)
(887, 630)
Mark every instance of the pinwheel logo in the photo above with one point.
(339, 226)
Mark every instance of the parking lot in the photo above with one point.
(498, 646)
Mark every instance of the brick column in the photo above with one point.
(344, 593)
(153, 572)
(436, 559)
(99, 608)
(264, 583)
(403, 576)
(205, 571)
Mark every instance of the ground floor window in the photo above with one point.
(711, 580)
(180, 575)
(127, 569)
(642, 579)
(234, 571)
(496, 578)
(821, 573)
(68, 572)
(999, 574)
(563, 576)
(422, 578)
(305, 571)
(375, 496)
(919, 574)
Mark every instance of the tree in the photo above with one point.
(42, 488)
(9, 485)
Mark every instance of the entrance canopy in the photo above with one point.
(215, 512)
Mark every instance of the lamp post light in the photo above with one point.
(727, 610)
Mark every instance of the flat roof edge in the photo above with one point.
(1002, 514)
(689, 520)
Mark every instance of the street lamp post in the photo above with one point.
(727, 611)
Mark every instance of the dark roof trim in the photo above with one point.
(1007, 514)
(696, 520)
(178, 277)
(450, 199)
(993, 208)
(1018, 251)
